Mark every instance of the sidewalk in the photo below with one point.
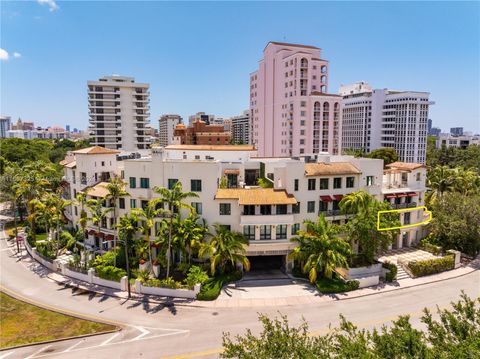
(265, 296)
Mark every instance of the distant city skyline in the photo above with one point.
(199, 56)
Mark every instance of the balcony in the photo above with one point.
(248, 220)
(403, 205)
(331, 213)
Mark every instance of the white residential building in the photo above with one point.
(166, 125)
(378, 118)
(5, 125)
(449, 140)
(201, 116)
(268, 217)
(241, 128)
(119, 113)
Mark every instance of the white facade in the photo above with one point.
(268, 217)
(119, 113)
(378, 118)
(448, 140)
(5, 125)
(25, 134)
(166, 125)
(241, 128)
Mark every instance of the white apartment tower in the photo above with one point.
(166, 125)
(240, 128)
(119, 113)
(291, 112)
(378, 118)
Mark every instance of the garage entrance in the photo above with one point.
(266, 267)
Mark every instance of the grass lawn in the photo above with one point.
(22, 323)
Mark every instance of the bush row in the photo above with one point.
(110, 273)
(336, 285)
(431, 266)
(432, 248)
(392, 273)
(164, 283)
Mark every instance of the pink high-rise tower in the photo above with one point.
(292, 113)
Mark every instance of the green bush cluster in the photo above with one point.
(212, 287)
(46, 251)
(196, 275)
(164, 283)
(431, 248)
(336, 285)
(392, 274)
(110, 273)
(431, 266)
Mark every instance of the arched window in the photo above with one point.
(336, 107)
(323, 89)
(324, 69)
(316, 106)
(326, 106)
(304, 62)
(323, 79)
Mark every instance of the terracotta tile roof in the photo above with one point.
(211, 147)
(332, 168)
(99, 190)
(296, 45)
(96, 150)
(256, 196)
(72, 164)
(406, 166)
(66, 161)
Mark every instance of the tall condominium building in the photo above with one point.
(119, 113)
(291, 112)
(201, 116)
(166, 126)
(456, 131)
(240, 128)
(5, 123)
(373, 119)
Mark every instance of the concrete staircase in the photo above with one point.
(401, 274)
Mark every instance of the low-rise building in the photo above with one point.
(200, 133)
(458, 141)
(225, 178)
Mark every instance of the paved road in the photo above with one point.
(163, 330)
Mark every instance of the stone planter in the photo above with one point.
(144, 266)
(366, 276)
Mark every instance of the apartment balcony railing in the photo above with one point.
(331, 213)
(403, 205)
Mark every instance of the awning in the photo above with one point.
(100, 235)
(399, 195)
(232, 172)
(392, 195)
(109, 237)
(338, 197)
(91, 232)
(326, 198)
(412, 194)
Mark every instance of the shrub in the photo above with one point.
(110, 273)
(196, 275)
(430, 247)
(431, 266)
(46, 251)
(211, 288)
(163, 283)
(392, 274)
(336, 285)
(143, 275)
(184, 268)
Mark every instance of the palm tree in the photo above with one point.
(441, 179)
(98, 212)
(225, 248)
(81, 200)
(189, 234)
(466, 181)
(128, 227)
(320, 249)
(8, 192)
(173, 199)
(148, 216)
(355, 202)
(57, 206)
(116, 190)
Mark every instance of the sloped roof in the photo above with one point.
(72, 164)
(256, 196)
(289, 44)
(332, 168)
(406, 166)
(99, 190)
(96, 150)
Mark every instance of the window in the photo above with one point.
(121, 203)
(76, 210)
(133, 182)
(265, 232)
(296, 208)
(171, 182)
(144, 204)
(323, 183)
(103, 163)
(249, 232)
(335, 205)
(73, 177)
(311, 184)
(323, 206)
(281, 209)
(133, 203)
(337, 182)
(266, 209)
(350, 182)
(370, 180)
(197, 206)
(225, 209)
(281, 231)
(83, 178)
(144, 182)
(406, 218)
(311, 206)
(295, 228)
(295, 184)
(249, 210)
(418, 177)
(196, 185)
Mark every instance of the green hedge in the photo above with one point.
(431, 266)
(211, 288)
(431, 248)
(164, 283)
(110, 273)
(336, 285)
(392, 274)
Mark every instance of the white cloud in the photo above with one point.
(17, 55)
(3, 54)
(50, 3)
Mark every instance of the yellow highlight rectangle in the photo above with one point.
(402, 211)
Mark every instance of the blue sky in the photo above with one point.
(197, 56)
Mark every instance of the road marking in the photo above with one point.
(5, 355)
(144, 332)
(109, 339)
(197, 354)
(38, 351)
(73, 346)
